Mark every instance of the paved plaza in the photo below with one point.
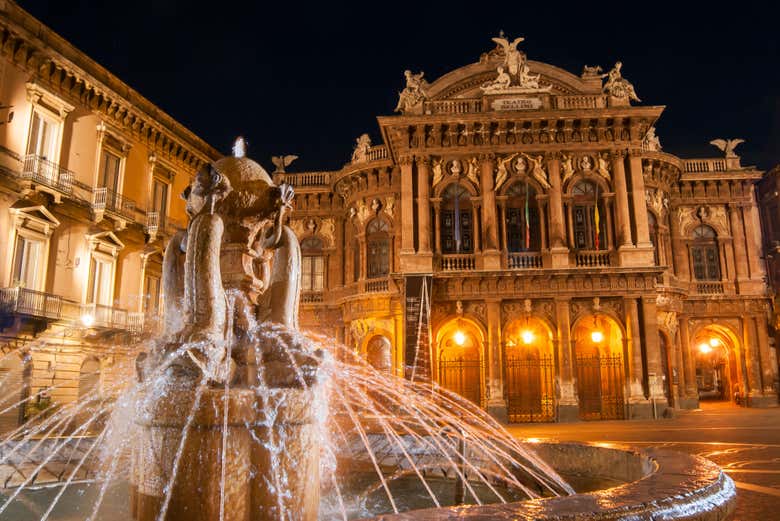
(745, 442)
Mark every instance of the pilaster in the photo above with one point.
(490, 255)
(496, 403)
(568, 406)
(559, 252)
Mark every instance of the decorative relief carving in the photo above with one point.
(390, 206)
(328, 231)
(711, 215)
(667, 320)
(410, 100)
(514, 75)
(567, 167)
(603, 167)
(473, 169)
(520, 164)
(651, 142)
(658, 201)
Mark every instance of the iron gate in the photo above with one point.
(530, 389)
(600, 387)
(462, 376)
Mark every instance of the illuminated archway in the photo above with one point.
(529, 370)
(379, 353)
(598, 360)
(715, 348)
(459, 358)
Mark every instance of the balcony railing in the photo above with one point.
(301, 179)
(458, 262)
(311, 297)
(704, 165)
(41, 171)
(709, 288)
(524, 260)
(376, 286)
(464, 106)
(592, 258)
(107, 200)
(23, 301)
(598, 101)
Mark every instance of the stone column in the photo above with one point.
(543, 245)
(570, 224)
(738, 238)
(496, 404)
(623, 220)
(689, 366)
(557, 231)
(679, 249)
(768, 369)
(655, 374)
(752, 358)
(491, 256)
(407, 213)
(610, 235)
(753, 240)
(437, 225)
(638, 405)
(642, 239)
(424, 210)
(475, 217)
(502, 217)
(568, 407)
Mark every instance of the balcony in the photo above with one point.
(376, 286)
(592, 258)
(708, 288)
(44, 173)
(106, 200)
(458, 262)
(311, 297)
(704, 165)
(40, 305)
(524, 260)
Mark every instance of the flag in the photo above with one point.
(527, 221)
(596, 219)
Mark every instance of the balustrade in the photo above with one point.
(40, 170)
(704, 165)
(465, 106)
(592, 258)
(709, 288)
(581, 102)
(458, 262)
(524, 260)
(107, 200)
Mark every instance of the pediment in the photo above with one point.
(105, 240)
(37, 213)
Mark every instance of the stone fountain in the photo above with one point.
(208, 440)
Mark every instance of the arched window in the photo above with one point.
(312, 265)
(522, 219)
(457, 226)
(589, 217)
(652, 227)
(378, 249)
(704, 253)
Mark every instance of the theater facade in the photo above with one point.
(520, 237)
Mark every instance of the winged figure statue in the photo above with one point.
(513, 58)
(281, 162)
(727, 145)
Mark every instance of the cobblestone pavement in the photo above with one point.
(745, 442)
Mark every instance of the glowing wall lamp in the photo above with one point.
(527, 336)
(714, 342)
(459, 338)
(597, 336)
(705, 348)
(87, 320)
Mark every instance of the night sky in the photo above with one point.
(308, 79)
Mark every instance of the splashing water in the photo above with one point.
(387, 444)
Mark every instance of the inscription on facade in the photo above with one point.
(519, 103)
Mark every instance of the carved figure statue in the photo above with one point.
(528, 80)
(502, 82)
(235, 247)
(438, 171)
(513, 58)
(281, 162)
(586, 163)
(727, 146)
(390, 205)
(502, 174)
(537, 170)
(603, 166)
(591, 72)
(362, 146)
(455, 167)
(617, 86)
(473, 169)
(520, 165)
(651, 142)
(567, 167)
(414, 93)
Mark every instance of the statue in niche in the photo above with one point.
(586, 164)
(651, 142)
(567, 167)
(603, 166)
(362, 146)
(617, 86)
(235, 265)
(438, 171)
(455, 167)
(414, 93)
(520, 165)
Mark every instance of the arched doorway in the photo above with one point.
(14, 380)
(717, 375)
(379, 352)
(459, 359)
(598, 344)
(529, 370)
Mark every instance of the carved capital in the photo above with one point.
(405, 160)
(617, 155)
(553, 156)
(484, 158)
(635, 152)
(423, 161)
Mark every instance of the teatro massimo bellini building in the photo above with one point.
(520, 238)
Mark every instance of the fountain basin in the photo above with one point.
(658, 484)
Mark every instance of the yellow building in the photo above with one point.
(90, 177)
(573, 269)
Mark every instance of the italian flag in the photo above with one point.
(596, 219)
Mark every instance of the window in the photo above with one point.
(589, 217)
(312, 265)
(151, 301)
(704, 254)
(44, 137)
(108, 177)
(101, 284)
(522, 227)
(378, 248)
(28, 263)
(457, 228)
(160, 199)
